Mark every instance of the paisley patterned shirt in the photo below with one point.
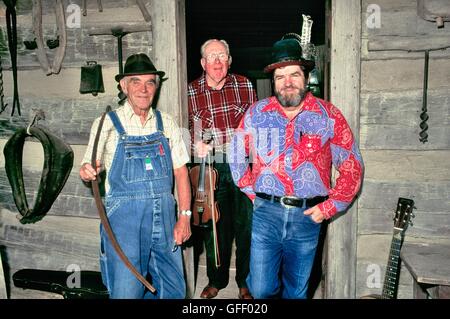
(294, 157)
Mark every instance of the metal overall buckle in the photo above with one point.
(282, 198)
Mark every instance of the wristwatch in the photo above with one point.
(186, 212)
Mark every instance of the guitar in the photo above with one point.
(402, 218)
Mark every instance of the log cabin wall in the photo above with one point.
(397, 163)
(69, 234)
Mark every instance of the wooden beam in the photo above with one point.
(169, 55)
(409, 44)
(144, 11)
(340, 279)
(2, 281)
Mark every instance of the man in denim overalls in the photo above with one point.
(141, 150)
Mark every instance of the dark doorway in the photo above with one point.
(250, 27)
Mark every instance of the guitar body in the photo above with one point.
(402, 217)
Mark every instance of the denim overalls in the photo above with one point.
(141, 210)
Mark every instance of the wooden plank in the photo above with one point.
(367, 55)
(53, 243)
(64, 86)
(428, 196)
(400, 75)
(3, 294)
(404, 108)
(410, 44)
(391, 120)
(344, 93)
(398, 18)
(414, 166)
(75, 198)
(404, 137)
(70, 119)
(428, 263)
(425, 224)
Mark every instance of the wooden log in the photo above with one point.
(425, 223)
(144, 11)
(402, 108)
(54, 243)
(398, 76)
(3, 294)
(404, 136)
(409, 44)
(344, 93)
(429, 196)
(406, 166)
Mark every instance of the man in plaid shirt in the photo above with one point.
(217, 102)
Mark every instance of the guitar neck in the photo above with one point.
(391, 277)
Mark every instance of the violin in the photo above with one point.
(205, 209)
(204, 183)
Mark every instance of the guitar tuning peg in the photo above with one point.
(411, 223)
(412, 215)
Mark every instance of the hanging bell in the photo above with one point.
(91, 78)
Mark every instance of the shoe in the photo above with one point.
(209, 292)
(244, 294)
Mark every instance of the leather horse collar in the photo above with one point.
(58, 162)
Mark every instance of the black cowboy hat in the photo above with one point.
(288, 52)
(138, 64)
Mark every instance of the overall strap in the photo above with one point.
(117, 124)
(159, 122)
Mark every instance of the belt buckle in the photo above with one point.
(282, 198)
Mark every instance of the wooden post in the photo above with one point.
(340, 279)
(2, 281)
(169, 55)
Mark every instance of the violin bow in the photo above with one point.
(211, 194)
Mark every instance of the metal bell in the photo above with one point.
(91, 78)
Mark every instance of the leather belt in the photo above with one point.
(292, 201)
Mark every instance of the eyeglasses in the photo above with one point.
(211, 58)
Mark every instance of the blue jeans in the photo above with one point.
(141, 210)
(283, 247)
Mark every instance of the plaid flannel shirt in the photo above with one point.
(218, 111)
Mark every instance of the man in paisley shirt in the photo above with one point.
(292, 140)
(217, 102)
